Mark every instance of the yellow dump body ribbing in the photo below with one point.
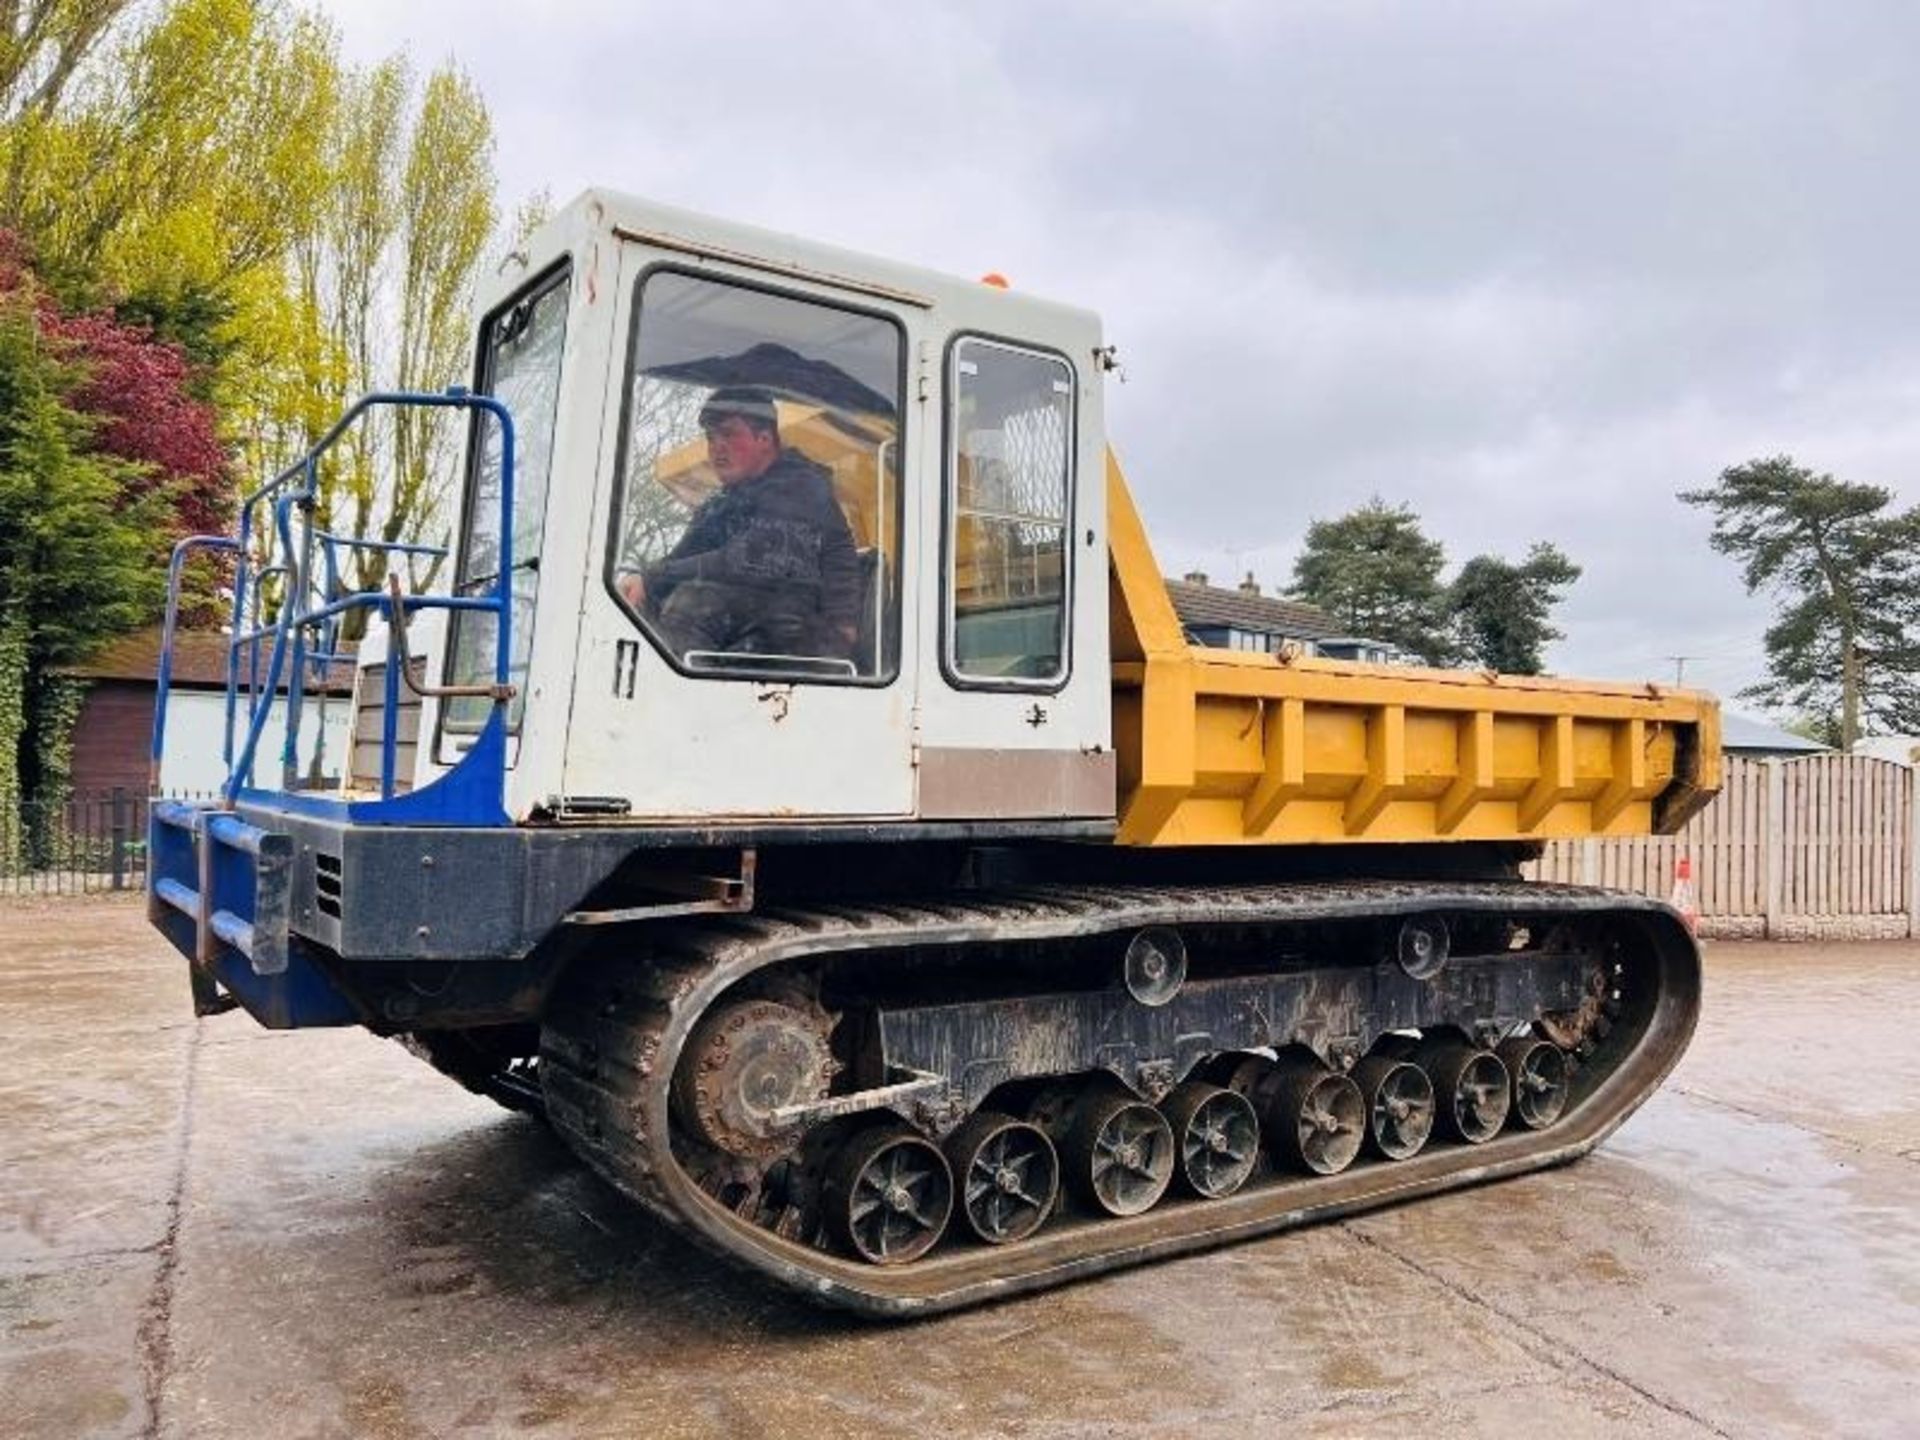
(1222, 747)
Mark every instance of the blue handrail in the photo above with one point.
(297, 615)
(163, 680)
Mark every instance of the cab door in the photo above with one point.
(743, 653)
(1016, 722)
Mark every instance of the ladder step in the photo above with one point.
(236, 834)
(183, 898)
(234, 931)
(180, 814)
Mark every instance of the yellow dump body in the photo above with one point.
(1222, 747)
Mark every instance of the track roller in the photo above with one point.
(1217, 1134)
(1242, 1072)
(1397, 1045)
(1470, 1089)
(1399, 1105)
(888, 1195)
(1155, 965)
(1008, 1176)
(1119, 1152)
(1422, 946)
(1314, 1116)
(1541, 1076)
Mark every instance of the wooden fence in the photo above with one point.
(1818, 847)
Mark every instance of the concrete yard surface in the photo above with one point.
(210, 1230)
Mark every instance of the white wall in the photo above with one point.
(196, 723)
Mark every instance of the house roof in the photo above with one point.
(1200, 604)
(1744, 733)
(199, 661)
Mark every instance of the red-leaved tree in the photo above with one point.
(135, 387)
(133, 394)
(136, 391)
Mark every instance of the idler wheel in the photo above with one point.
(1218, 1135)
(888, 1195)
(1541, 1077)
(745, 1061)
(1008, 1174)
(1470, 1087)
(1399, 1105)
(1120, 1153)
(1315, 1117)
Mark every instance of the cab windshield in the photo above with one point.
(757, 530)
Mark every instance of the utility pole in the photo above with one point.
(1680, 666)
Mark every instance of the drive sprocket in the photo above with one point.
(745, 1063)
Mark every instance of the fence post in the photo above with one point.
(1773, 843)
(119, 838)
(1910, 792)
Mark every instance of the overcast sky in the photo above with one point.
(1529, 268)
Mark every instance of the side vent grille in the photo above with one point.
(326, 884)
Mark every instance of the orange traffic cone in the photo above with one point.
(1684, 899)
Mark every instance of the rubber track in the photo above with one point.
(614, 1032)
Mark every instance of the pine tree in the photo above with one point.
(1844, 647)
(1503, 612)
(1377, 573)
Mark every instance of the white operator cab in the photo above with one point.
(901, 615)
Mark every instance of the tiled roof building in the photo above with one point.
(112, 735)
(199, 662)
(1244, 619)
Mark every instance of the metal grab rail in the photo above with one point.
(163, 678)
(296, 616)
(397, 605)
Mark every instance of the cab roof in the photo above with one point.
(598, 212)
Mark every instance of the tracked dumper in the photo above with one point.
(805, 798)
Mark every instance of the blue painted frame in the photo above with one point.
(471, 793)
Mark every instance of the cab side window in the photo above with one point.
(1009, 488)
(521, 348)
